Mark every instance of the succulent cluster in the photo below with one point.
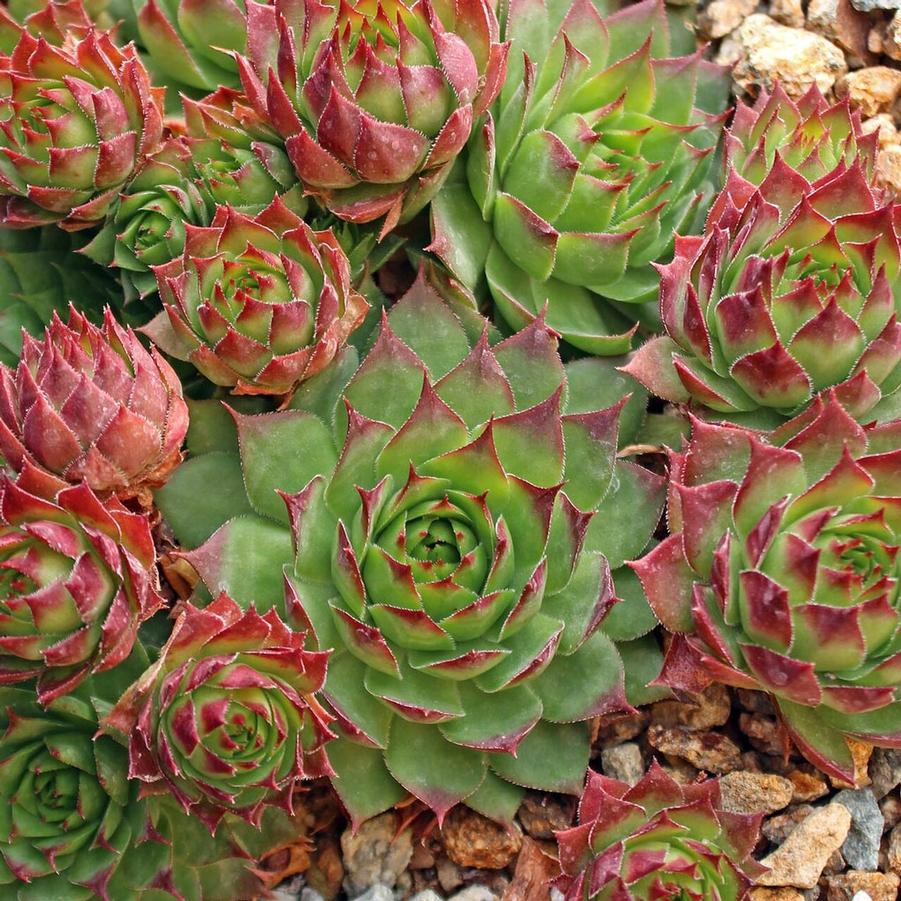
(394, 533)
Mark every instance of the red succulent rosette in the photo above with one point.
(75, 121)
(257, 303)
(226, 720)
(77, 578)
(374, 100)
(92, 404)
(655, 840)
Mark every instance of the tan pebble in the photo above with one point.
(800, 859)
(879, 886)
(721, 17)
(807, 787)
(744, 792)
(861, 751)
(872, 90)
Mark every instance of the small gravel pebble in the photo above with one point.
(427, 895)
(623, 762)
(475, 893)
(310, 894)
(375, 855)
(801, 858)
(885, 770)
(861, 848)
(709, 751)
(893, 850)
(846, 886)
(375, 893)
(744, 792)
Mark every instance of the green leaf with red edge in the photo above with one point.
(584, 602)
(416, 696)
(362, 780)
(591, 441)
(475, 468)
(345, 692)
(191, 510)
(550, 758)
(568, 527)
(364, 641)
(432, 429)
(821, 743)
(390, 362)
(531, 649)
(772, 474)
(496, 799)
(461, 664)
(494, 722)
(245, 559)
(438, 773)
(413, 629)
(460, 236)
(212, 427)
(528, 514)
(314, 530)
(531, 363)
(282, 452)
(636, 493)
(472, 621)
(530, 442)
(642, 663)
(631, 617)
(321, 394)
(568, 696)
(596, 383)
(667, 581)
(423, 321)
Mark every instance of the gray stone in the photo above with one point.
(376, 893)
(885, 770)
(427, 895)
(623, 762)
(375, 855)
(310, 894)
(861, 847)
(868, 6)
(475, 893)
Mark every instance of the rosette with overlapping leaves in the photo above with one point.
(449, 537)
(75, 123)
(598, 149)
(77, 578)
(656, 839)
(795, 288)
(374, 100)
(258, 304)
(782, 574)
(810, 135)
(71, 824)
(92, 404)
(225, 719)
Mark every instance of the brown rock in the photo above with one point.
(872, 90)
(840, 23)
(776, 894)
(534, 872)
(885, 125)
(788, 12)
(709, 751)
(720, 17)
(879, 886)
(891, 42)
(543, 815)
(765, 733)
(448, 874)
(860, 750)
(776, 829)
(890, 807)
(807, 787)
(472, 840)
(796, 58)
(744, 792)
(326, 871)
(755, 701)
(800, 859)
(712, 708)
(893, 850)
(616, 728)
(888, 168)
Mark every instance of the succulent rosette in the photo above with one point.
(78, 577)
(257, 304)
(598, 149)
(810, 135)
(148, 225)
(75, 123)
(54, 20)
(225, 719)
(656, 839)
(453, 541)
(795, 288)
(71, 824)
(781, 575)
(373, 100)
(92, 404)
(238, 158)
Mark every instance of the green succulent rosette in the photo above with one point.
(781, 574)
(450, 517)
(71, 823)
(599, 148)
